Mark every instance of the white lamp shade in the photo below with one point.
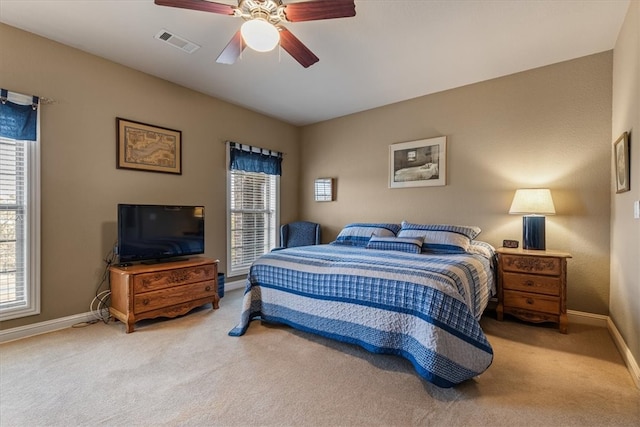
(533, 201)
(260, 35)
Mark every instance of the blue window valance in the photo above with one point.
(18, 121)
(254, 159)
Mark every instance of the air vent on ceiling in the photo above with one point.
(177, 41)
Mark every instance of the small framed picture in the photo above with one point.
(420, 163)
(323, 190)
(622, 163)
(149, 148)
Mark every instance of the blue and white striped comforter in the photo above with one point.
(422, 307)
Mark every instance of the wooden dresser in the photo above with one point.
(165, 289)
(532, 285)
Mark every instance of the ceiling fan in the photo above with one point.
(262, 30)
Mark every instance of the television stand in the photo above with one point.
(167, 289)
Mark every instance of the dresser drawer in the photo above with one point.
(549, 266)
(164, 279)
(170, 296)
(547, 285)
(527, 301)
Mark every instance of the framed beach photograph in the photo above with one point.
(622, 163)
(148, 148)
(421, 163)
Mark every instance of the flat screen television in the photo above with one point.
(157, 233)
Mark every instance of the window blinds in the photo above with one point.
(253, 217)
(253, 199)
(19, 205)
(13, 212)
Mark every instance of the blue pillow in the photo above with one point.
(359, 233)
(441, 238)
(391, 243)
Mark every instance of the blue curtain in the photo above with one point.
(246, 158)
(18, 121)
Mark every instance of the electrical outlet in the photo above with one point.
(636, 209)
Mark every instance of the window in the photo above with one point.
(253, 217)
(19, 224)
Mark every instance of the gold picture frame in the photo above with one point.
(622, 163)
(421, 163)
(145, 147)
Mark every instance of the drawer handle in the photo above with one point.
(208, 288)
(528, 283)
(145, 301)
(530, 301)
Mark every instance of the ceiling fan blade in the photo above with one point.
(202, 5)
(232, 50)
(296, 49)
(319, 9)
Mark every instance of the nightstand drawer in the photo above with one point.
(547, 285)
(527, 301)
(549, 266)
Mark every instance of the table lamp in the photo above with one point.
(534, 204)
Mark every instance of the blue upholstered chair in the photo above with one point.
(299, 233)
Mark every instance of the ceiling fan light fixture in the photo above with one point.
(260, 35)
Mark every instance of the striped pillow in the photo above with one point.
(359, 233)
(392, 243)
(482, 248)
(441, 238)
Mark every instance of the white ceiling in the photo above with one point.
(392, 50)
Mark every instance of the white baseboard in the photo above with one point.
(628, 358)
(600, 320)
(44, 327)
(584, 318)
(236, 284)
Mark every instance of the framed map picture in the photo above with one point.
(148, 148)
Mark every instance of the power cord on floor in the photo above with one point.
(99, 306)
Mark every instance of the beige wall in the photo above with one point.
(80, 183)
(625, 230)
(547, 127)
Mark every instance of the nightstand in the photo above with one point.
(532, 285)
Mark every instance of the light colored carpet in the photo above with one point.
(187, 371)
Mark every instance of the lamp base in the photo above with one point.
(533, 232)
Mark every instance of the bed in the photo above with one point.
(398, 289)
(417, 173)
